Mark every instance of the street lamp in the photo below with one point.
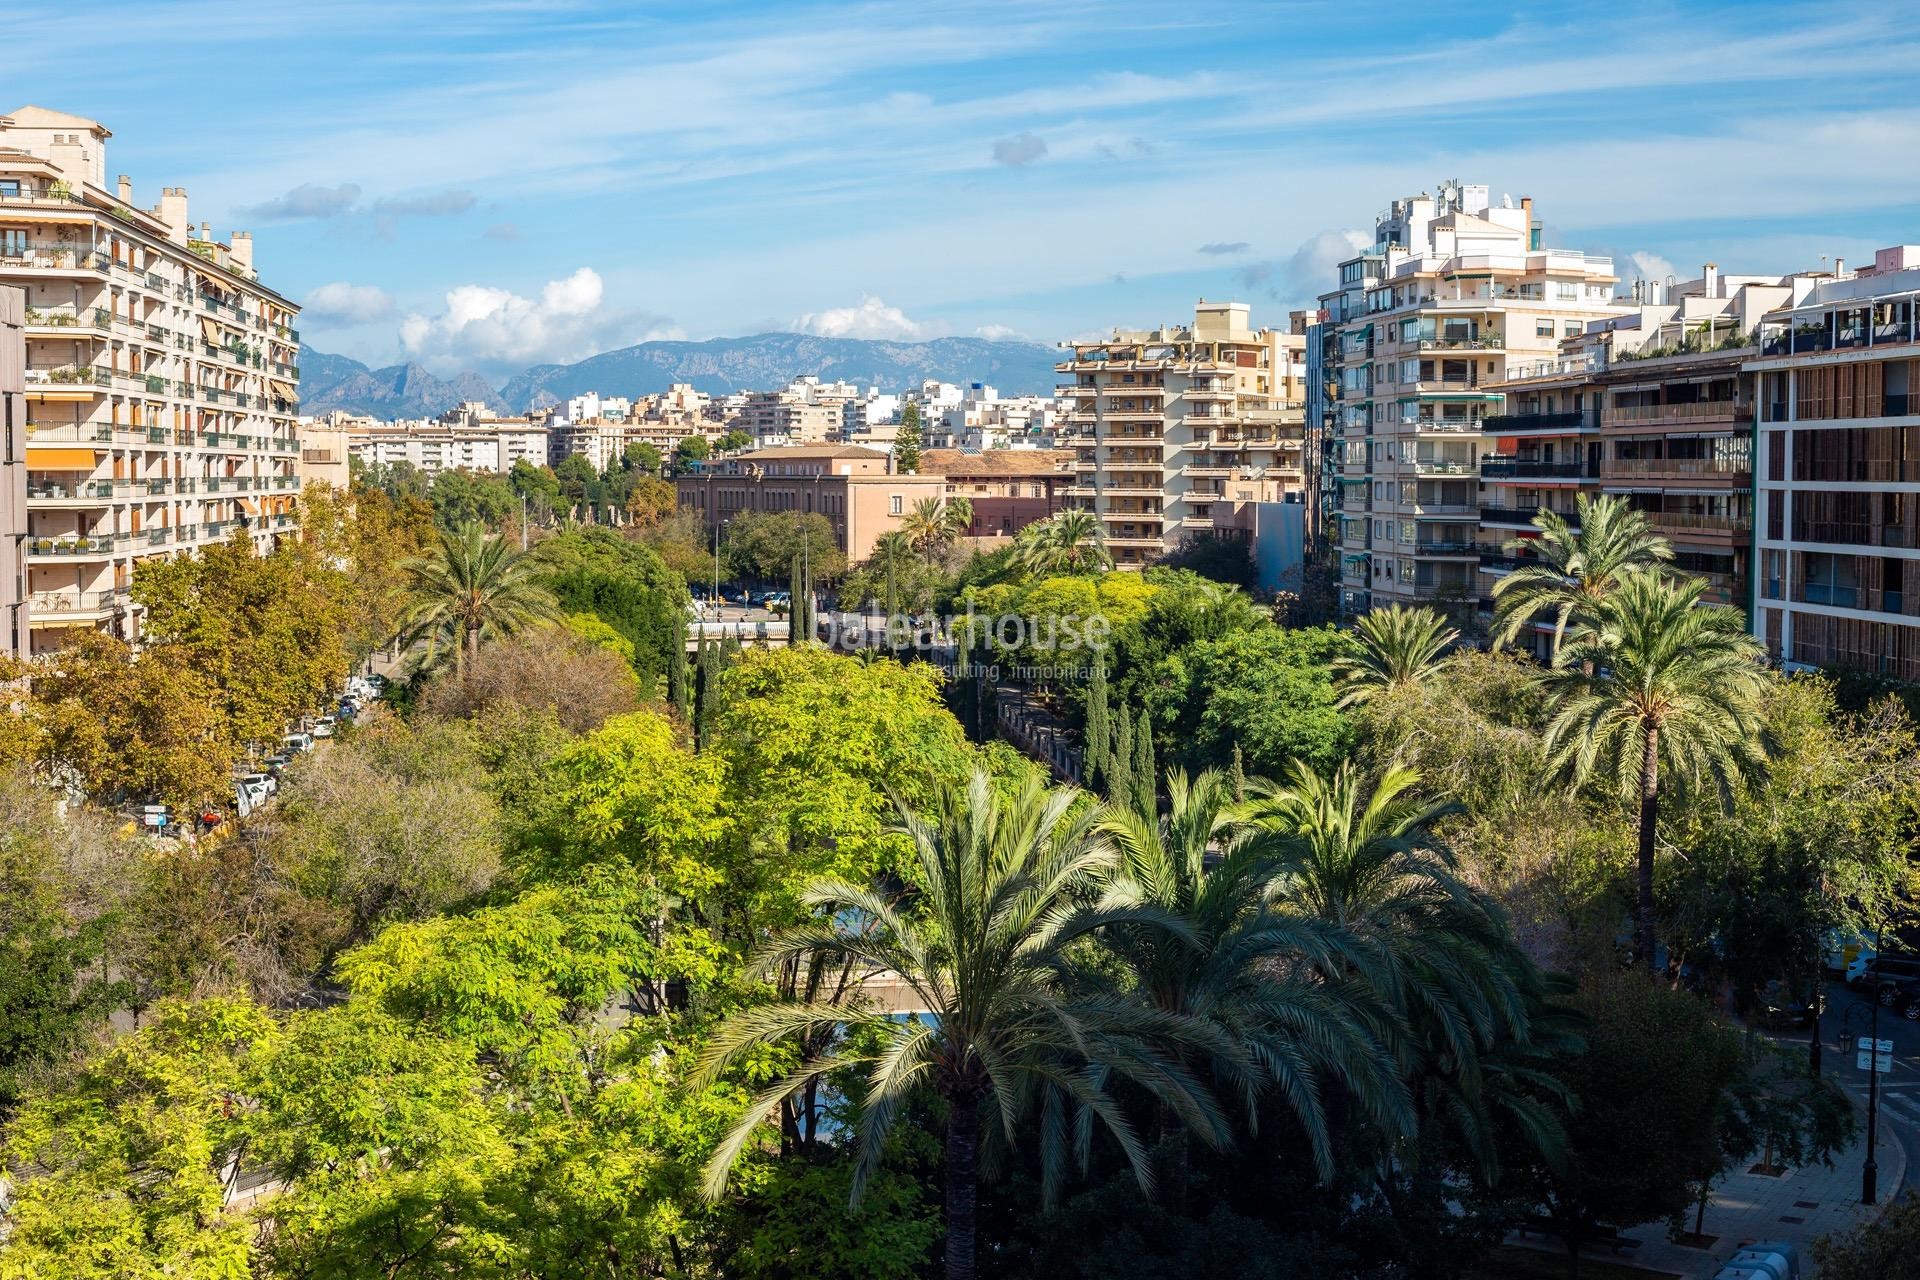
(1870, 1171)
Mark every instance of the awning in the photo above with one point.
(282, 390)
(210, 330)
(45, 459)
(250, 505)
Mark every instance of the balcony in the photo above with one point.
(1507, 467)
(72, 547)
(1421, 424)
(1697, 411)
(1519, 517)
(1439, 466)
(1492, 342)
(1508, 424)
(1696, 522)
(52, 606)
(84, 322)
(1678, 468)
(69, 376)
(1445, 547)
(53, 255)
(85, 492)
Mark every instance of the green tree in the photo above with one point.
(1399, 646)
(1099, 725)
(1655, 678)
(908, 443)
(641, 456)
(461, 497)
(982, 950)
(761, 545)
(1579, 564)
(679, 674)
(1269, 691)
(1880, 1247)
(1119, 767)
(1072, 541)
(734, 441)
(471, 588)
(690, 450)
(1145, 772)
(579, 482)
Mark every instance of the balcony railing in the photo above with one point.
(52, 255)
(1519, 517)
(1498, 467)
(1696, 411)
(1678, 467)
(1502, 424)
(56, 603)
(73, 546)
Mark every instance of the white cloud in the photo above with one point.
(996, 332)
(487, 326)
(348, 303)
(1651, 266)
(439, 204)
(872, 318)
(1312, 269)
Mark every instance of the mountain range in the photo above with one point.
(717, 366)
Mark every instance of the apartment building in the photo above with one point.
(854, 488)
(1172, 426)
(1651, 406)
(325, 453)
(790, 417)
(1837, 380)
(466, 438)
(159, 378)
(1416, 341)
(13, 474)
(1008, 489)
(985, 420)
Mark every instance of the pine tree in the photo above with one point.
(679, 686)
(906, 448)
(1099, 727)
(1119, 770)
(1145, 780)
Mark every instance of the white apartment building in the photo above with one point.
(593, 405)
(468, 438)
(804, 412)
(159, 379)
(985, 420)
(1453, 291)
(1175, 427)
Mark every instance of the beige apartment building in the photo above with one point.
(466, 438)
(796, 415)
(325, 452)
(854, 488)
(1172, 427)
(13, 473)
(159, 383)
(1453, 292)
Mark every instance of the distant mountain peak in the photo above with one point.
(717, 366)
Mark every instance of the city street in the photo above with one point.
(1851, 1012)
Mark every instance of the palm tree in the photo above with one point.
(1654, 678)
(474, 586)
(1399, 648)
(1256, 973)
(925, 526)
(1071, 541)
(1439, 952)
(959, 517)
(984, 949)
(1578, 567)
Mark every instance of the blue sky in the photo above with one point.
(500, 182)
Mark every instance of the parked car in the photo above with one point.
(278, 761)
(1903, 998)
(1839, 950)
(266, 780)
(294, 743)
(323, 727)
(1869, 972)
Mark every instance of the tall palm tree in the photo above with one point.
(1441, 953)
(925, 526)
(1071, 541)
(1257, 973)
(959, 517)
(1578, 566)
(1655, 680)
(474, 586)
(984, 949)
(1399, 648)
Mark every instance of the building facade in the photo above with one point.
(1425, 325)
(467, 438)
(1837, 384)
(1008, 489)
(852, 487)
(159, 382)
(14, 639)
(1172, 426)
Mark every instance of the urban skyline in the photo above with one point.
(540, 182)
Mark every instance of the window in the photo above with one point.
(13, 242)
(9, 188)
(895, 505)
(1543, 328)
(1571, 329)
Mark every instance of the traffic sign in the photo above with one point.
(1884, 1065)
(1881, 1046)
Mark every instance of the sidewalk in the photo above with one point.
(1800, 1206)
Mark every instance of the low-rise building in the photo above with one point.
(325, 454)
(854, 488)
(1008, 489)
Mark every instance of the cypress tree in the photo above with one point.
(679, 687)
(1119, 771)
(1145, 781)
(703, 707)
(1099, 728)
(1239, 774)
(794, 590)
(906, 448)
